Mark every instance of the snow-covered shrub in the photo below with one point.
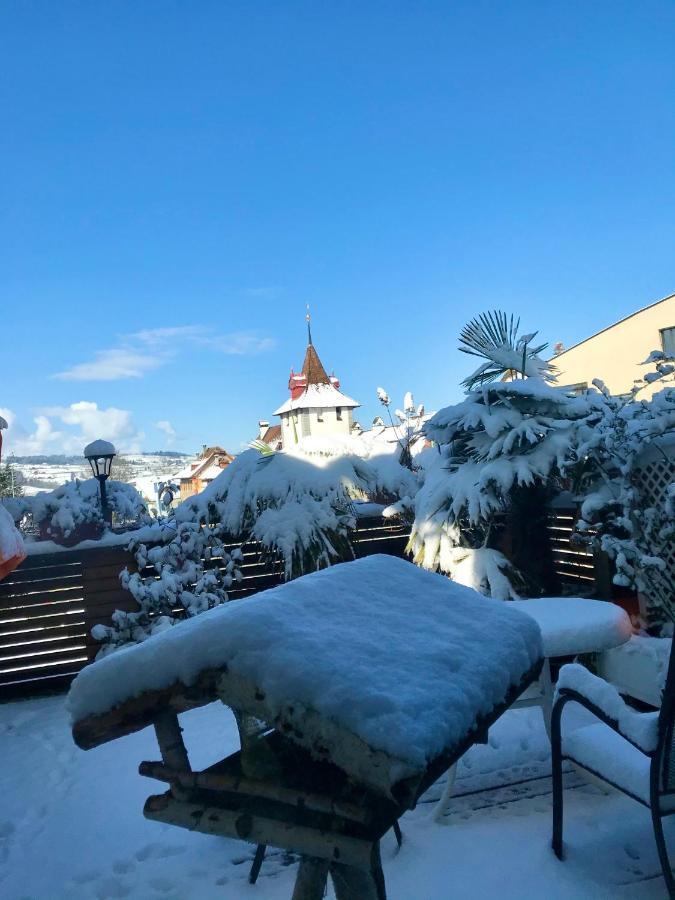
(619, 514)
(297, 504)
(72, 512)
(192, 573)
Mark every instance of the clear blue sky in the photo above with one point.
(210, 167)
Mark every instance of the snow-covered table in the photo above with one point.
(374, 675)
(569, 626)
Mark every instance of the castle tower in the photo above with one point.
(316, 406)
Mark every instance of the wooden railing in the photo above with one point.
(49, 605)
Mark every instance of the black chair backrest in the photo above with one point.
(666, 727)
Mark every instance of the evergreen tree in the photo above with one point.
(10, 481)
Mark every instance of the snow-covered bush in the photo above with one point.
(72, 512)
(298, 504)
(626, 520)
(192, 573)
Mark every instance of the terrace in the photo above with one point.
(68, 830)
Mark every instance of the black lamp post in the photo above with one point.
(100, 455)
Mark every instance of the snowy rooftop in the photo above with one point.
(318, 396)
(400, 658)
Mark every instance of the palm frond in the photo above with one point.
(493, 336)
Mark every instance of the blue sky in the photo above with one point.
(180, 178)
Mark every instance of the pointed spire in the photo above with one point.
(312, 367)
(308, 319)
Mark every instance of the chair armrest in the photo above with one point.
(641, 729)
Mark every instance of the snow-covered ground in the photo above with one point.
(71, 824)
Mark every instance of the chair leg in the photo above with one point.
(443, 804)
(663, 853)
(398, 834)
(546, 695)
(556, 777)
(257, 863)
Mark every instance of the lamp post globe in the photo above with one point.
(100, 454)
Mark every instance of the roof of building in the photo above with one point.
(614, 324)
(272, 434)
(210, 472)
(312, 367)
(197, 470)
(318, 396)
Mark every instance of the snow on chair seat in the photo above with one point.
(375, 676)
(609, 756)
(574, 625)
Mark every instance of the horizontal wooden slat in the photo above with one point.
(22, 576)
(43, 637)
(71, 662)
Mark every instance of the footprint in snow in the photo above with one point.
(112, 889)
(86, 877)
(158, 851)
(631, 851)
(123, 866)
(162, 885)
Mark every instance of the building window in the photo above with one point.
(668, 341)
(319, 415)
(338, 413)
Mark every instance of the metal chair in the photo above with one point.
(636, 755)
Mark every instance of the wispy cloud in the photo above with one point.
(148, 349)
(168, 429)
(112, 365)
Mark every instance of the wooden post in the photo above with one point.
(170, 740)
(310, 882)
(354, 884)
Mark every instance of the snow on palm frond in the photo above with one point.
(494, 337)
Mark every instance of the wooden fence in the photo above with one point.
(49, 605)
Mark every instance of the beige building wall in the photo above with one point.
(615, 354)
(322, 422)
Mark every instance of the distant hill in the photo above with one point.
(171, 453)
(59, 459)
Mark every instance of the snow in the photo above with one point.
(640, 728)
(638, 668)
(402, 658)
(297, 503)
(99, 448)
(318, 396)
(605, 752)
(11, 542)
(573, 625)
(71, 823)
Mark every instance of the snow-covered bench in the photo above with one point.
(375, 676)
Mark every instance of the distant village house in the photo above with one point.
(195, 477)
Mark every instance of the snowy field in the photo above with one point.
(71, 824)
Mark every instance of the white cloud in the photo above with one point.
(111, 365)
(150, 348)
(168, 429)
(66, 429)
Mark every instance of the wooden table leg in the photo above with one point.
(444, 803)
(310, 882)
